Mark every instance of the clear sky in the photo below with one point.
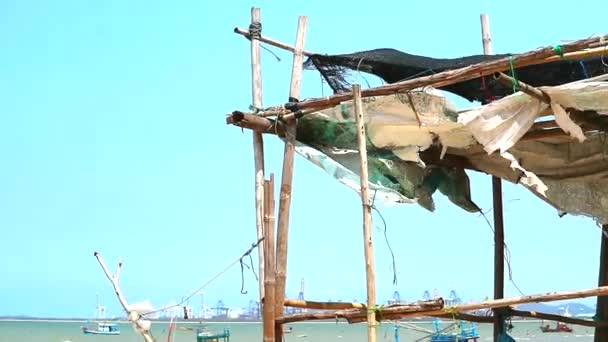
(113, 139)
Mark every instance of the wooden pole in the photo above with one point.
(601, 313)
(307, 304)
(558, 318)
(367, 217)
(499, 243)
(361, 315)
(258, 144)
(271, 41)
(287, 177)
(506, 302)
(269, 253)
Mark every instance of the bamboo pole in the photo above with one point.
(271, 41)
(269, 253)
(499, 243)
(558, 318)
(448, 77)
(409, 310)
(307, 304)
(506, 302)
(367, 216)
(360, 315)
(601, 313)
(287, 177)
(258, 145)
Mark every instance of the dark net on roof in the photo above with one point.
(393, 66)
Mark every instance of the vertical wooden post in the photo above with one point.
(286, 179)
(269, 253)
(367, 217)
(601, 311)
(486, 38)
(499, 235)
(258, 144)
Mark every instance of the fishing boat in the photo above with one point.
(559, 327)
(101, 328)
(205, 335)
(458, 332)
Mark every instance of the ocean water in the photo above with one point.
(240, 332)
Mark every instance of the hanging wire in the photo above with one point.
(507, 255)
(247, 252)
(394, 264)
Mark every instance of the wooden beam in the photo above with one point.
(506, 302)
(307, 304)
(287, 176)
(601, 313)
(558, 318)
(271, 41)
(360, 315)
(258, 124)
(269, 253)
(258, 145)
(367, 215)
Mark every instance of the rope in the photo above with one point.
(248, 252)
(558, 50)
(513, 75)
(255, 32)
(394, 264)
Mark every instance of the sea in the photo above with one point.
(44, 331)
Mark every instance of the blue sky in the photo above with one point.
(112, 139)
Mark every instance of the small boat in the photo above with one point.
(101, 328)
(203, 334)
(460, 333)
(559, 327)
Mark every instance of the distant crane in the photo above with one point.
(301, 295)
(396, 298)
(220, 309)
(426, 295)
(254, 309)
(453, 299)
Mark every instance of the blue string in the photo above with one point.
(584, 69)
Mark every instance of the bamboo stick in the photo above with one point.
(287, 177)
(448, 77)
(269, 253)
(601, 311)
(258, 145)
(307, 304)
(256, 123)
(525, 88)
(367, 216)
(558, 318)
(499, 235)
(506, 302)
(271, 41)
(360, 315)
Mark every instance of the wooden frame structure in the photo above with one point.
(273, 256)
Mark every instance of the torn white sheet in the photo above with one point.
(500, 124)
(529, 178)
(562, 118)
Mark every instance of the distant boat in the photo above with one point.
(101, 328)
(203, 335)
(559, 326)
(461, 334)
